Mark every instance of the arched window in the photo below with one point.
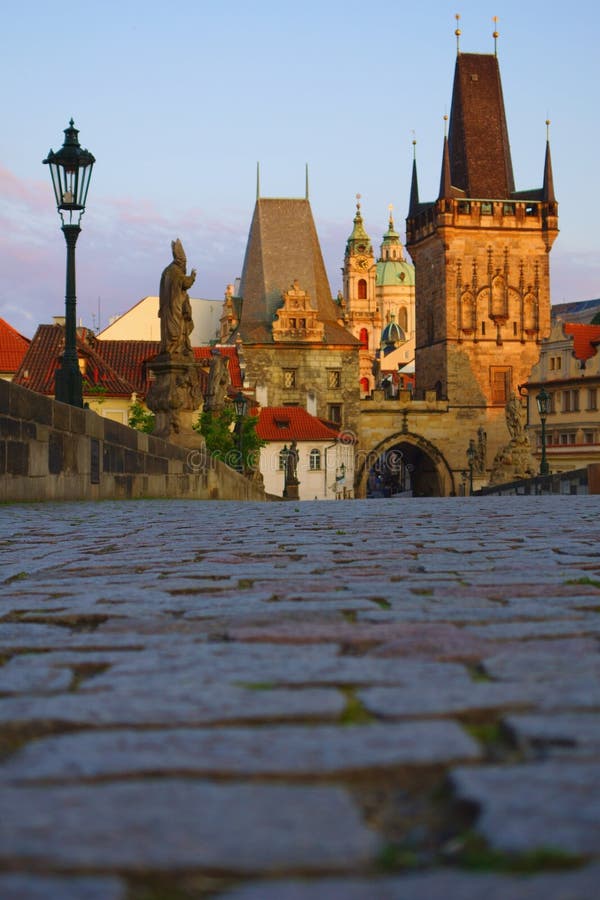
(364, 386)
(283, 455)
(314, 459)
(362, 289)
(364, 337)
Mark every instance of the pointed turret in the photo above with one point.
(413, 205)
(391, 247)
(548, 188)
(445, 178)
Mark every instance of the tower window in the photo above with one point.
(486, 209)
(362, 289)
(289, 379)
(364, 337)
(334, 379)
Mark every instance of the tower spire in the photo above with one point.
(495, 34)
(458, 33)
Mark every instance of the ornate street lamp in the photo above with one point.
(471, 454)
(240, 404)
(71, 170)
(543, 401)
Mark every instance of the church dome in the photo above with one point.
(392, 334)
(394, 272)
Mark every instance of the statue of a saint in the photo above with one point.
(175, 311)
(218, 382)
(514, 419)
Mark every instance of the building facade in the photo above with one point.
(569, 371)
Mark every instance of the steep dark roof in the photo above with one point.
(480, 159)
(283, 246)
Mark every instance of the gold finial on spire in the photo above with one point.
(547, 129)
(457, 33)
(445, 125)
(391, 210)
(495, 34)
(358, 196)
(414, 143)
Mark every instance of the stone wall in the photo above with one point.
(52, 451)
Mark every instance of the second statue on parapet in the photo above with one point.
(174, 310)
(513, 461)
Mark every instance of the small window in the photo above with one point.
(282, 458)
(486, 209)
(483, 328)
(531, 209)
(508, 209)
(289, 379)
(362, 289)
(588, 437)
(575, 401)
(314, 460)
(464, 208)
(335, 413)
(566, 401)
(334, 379)
(592, 398)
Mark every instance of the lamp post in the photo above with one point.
(240, 404)
(71, 170)
(471, 453)
(543, 405)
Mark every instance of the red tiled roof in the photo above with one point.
(130, 359)
(292, 423)
(39, 364)
(204, 354)
(13, 347)
(585, 338)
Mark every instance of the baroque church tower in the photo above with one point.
(481, 253)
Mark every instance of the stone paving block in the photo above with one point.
(547, 660)
(173, 704)
(571, 628)
(559, 734)
(438, 699)
(439, 885)
(546, 805)
(178, 825)
(297, 751)
(31, 673)
(17, 886)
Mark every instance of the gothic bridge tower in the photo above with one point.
(481, 254)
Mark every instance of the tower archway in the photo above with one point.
(404, 465)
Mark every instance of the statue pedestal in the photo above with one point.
(175, 398)
(290, 491)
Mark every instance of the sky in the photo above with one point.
(179, 102)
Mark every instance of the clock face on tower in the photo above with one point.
(362, 262)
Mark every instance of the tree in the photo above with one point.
(140, 418)
(220, 430)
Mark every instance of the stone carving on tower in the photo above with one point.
(297, 319)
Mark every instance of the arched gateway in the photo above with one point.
(404, 464)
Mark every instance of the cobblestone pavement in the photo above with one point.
(369, 700)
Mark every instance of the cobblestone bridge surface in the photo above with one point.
(369, 700)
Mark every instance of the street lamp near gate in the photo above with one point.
(71, 170)
(543, 401)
